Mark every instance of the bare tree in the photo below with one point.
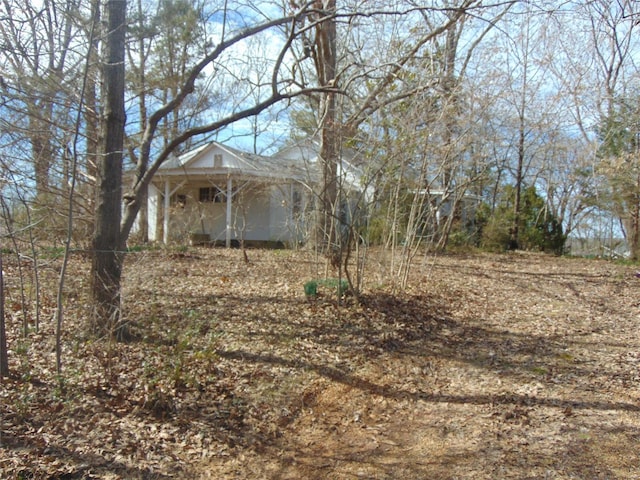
(36, 69)
(422, 129)
(372, 79)
(614, 39)
(523, 110)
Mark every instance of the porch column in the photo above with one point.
(167, 205)
(229, 201)
(153, 207)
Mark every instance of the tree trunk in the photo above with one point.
(107, 243)
(514, 239)
(4, 356)
(633, 235)
(143, 113)
(328, 228)
(91, 117)
(41, 145)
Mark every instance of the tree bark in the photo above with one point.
(326, 64)
(514, 234)
(107, 243)
(4, 356)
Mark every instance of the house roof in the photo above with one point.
(444, 193)
(215, 159)
(307, 152)
(297, 162)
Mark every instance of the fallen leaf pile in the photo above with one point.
(486, 366)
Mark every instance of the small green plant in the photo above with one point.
(60, 389)
(24, 402)
(311, 289)
(567, 357)
(538, 370)
(340, 286)
(22, 352)
(52, 253)
(137, 248)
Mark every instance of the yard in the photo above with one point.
(488, 366)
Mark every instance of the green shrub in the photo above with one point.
(538, 229)
(495, 235)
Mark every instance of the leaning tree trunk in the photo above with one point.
(107, 248)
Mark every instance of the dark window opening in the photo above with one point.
(179, 200)
(212, 194)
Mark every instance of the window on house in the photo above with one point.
(212, 194)
(217, 160)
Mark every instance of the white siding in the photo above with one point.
(282, 226)
(254, 203)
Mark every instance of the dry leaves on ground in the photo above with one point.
(488, 366)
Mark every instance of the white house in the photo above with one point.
(218, 194)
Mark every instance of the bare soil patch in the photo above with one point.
(488, 366)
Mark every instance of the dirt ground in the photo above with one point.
(486, 367)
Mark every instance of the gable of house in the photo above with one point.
(306, 153)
